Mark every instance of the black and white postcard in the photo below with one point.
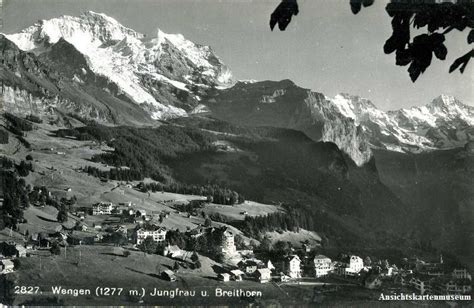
(236, 153)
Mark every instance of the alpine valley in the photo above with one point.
(96, 104)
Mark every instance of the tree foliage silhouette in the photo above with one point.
(437, 19)
(283, 13)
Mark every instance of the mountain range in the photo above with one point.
(93, 67)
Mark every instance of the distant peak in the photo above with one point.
(445, 101)
(361, 101)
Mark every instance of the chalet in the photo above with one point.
(20, 251)
(102, 208)
(227, 243)
(168, 275)
(293, 265)
(173, 251)
(6, 266)
(263, 275)
(322, 266)
(350, 266)
(421, 284)
(237, 275)
(458, 286)
(224, 277)
(248, 266)
(158, 234)
(461, 274)
(270, 265)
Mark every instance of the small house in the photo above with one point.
(168, 275)
(102, 208)
(6, 266)
(224, 277)
(248, 266)
(173, 251)
(263, 275)
(20, 251)
(237, 275)
(461, 274)
(284, 277)
(99, 237)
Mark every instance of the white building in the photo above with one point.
(158, 234)
(322, 265)
(458, 287)
(421, 285)
(102, 208)
(461, 274)
(228, 245)
(354, 265)
(6, 266)
(294, 266)
(264, 275)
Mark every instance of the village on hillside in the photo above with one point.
(65, 226)
(236, 257)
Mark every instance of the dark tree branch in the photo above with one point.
(405, 14)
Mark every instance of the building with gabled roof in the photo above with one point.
(322, 266)
(157, 233)
(293, 264)
(263, 275)
(6, 266)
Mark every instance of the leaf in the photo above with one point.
(414, 71)
(470, 37)
(403, 57)
(356, 6)
(440, 51)
(283, 13)
(390, 45)
(461, 62)
(367, 3)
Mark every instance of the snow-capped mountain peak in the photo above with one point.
(443, 123)
(90, 28)
(135, 64)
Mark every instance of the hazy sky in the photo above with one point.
(326, 48)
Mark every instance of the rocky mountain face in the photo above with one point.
(355, 124)
(442, 124)
(93, 67)
(97, 60)
(283, 104)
